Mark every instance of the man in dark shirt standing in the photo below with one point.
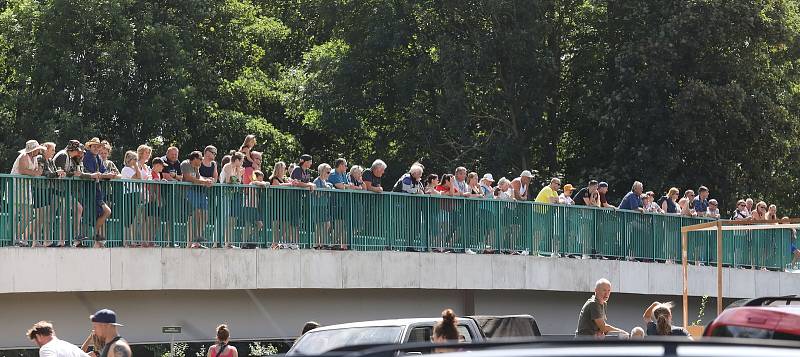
(593, 315)
(584, 195)
(372, 176)
(602, 187)
(300, 175)
(172, 166)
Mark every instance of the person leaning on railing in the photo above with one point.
(410, 182)
(372, 176)
(70, 161)
(486, 186)
(196, 198)
(667, 202)
(354, 177)
(97, 171)
(25, 164)
(473, 186)
(504, 190)
(338, 177)
(45, 203)
(105, 151)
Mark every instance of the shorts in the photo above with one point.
(42, 197)
(792, 248)
(197, 200)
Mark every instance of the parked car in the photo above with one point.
(379, 332)
(775, 318)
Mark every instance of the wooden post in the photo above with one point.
(684, 263)
(719, 268)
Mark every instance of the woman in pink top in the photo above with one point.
(222, 348)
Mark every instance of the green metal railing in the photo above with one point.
(167, 214)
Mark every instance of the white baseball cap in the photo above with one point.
(488, 177)
(526, 173)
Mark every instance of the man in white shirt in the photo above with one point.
(43, 334)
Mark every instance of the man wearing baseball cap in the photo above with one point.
(602, 188)
(566, 196)
(486, 186)
(104, 323)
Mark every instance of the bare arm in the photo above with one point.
(648, 314)
(85, 345)
(121, 350)
(368, 186)
(606, 328)
(23, 168)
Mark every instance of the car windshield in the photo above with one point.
(317, 342)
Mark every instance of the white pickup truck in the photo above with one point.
(328, 338)
(398, 331)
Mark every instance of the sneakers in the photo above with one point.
(524, 252)
(21, 243)
(470, 251)
(585, 256)
(198, 246)
(554, 255)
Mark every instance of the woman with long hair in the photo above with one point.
(222, 348)
(446, 331)
(658, 318)
(667, 202)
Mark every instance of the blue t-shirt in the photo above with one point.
(322, 184)
(337, 178)
(700, 206)
(92, 163)
(631, 201)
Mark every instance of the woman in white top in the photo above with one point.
(149, 219)
(132, 198)
(25, 164)
(233, 172)
(504, 186)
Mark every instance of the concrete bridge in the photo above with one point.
(266, 293)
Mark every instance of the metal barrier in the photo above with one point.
(176, 214)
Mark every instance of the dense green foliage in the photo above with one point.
(670, 92)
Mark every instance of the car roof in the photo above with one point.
(784, 309)
(380, 323)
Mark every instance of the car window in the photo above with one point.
(317, 342)
(464, 331)
(741, 332)
(420, 334)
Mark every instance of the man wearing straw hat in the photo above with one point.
(93, 166)
(25, 164)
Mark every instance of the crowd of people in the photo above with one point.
(243, 166)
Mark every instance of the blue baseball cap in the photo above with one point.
(105, 316)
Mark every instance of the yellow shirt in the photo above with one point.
(545, 194)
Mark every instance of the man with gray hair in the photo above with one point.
(410, 182)
(633, 200)
(592, 317)
(460, 181)
(372, 176)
